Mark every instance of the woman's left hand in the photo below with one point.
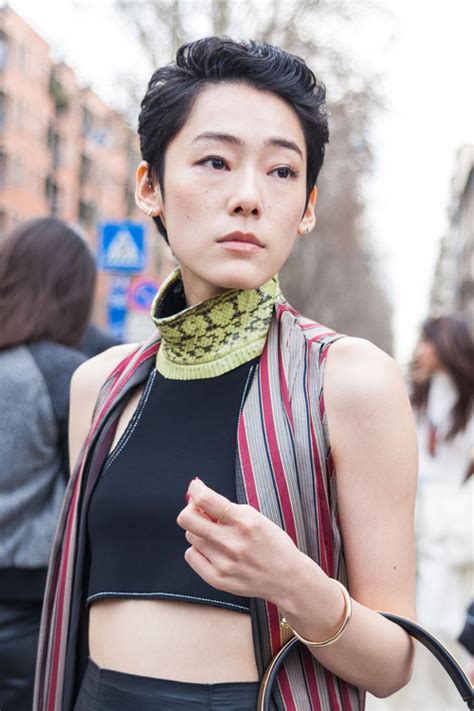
(237, 549)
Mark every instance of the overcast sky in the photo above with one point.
(423, 50)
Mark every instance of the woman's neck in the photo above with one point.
(197, 290)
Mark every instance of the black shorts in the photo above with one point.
(106, 690)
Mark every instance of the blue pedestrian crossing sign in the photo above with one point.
(121, 247)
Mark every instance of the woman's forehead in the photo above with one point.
(241, 111)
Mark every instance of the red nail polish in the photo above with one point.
(187, 497)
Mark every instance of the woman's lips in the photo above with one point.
(240, 246)
(244, 242)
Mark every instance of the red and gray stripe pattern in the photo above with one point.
(283, 468)
(286, 472)
(55, 624)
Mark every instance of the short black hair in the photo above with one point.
(174, 88)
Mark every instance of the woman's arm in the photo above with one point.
(85, 386)
(374, 447)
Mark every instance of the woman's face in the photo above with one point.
(426, 358)
(235, 190)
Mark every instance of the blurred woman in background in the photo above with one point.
(47, 277)
(442, 395)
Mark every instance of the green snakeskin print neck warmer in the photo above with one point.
(215, 336)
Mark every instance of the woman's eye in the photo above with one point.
(214, 163)
(284, 172)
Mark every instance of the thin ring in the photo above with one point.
(221, 517)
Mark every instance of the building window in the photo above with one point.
(59, 94)
(86, 169)
(57, 151)
(51, 192)
(101, 137)
(54, 141)
(3, 50)
(87, 213)
(3, 168)
(87, 122)
(3, 223)
(50, 135)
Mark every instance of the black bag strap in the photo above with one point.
(444, 657)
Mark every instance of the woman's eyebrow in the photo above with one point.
(213, 136)
(285, 143)
(235, 141)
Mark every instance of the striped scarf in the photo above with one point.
(284, 469)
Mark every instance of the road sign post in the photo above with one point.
(141, 293)
(121, 252)
(117, 306)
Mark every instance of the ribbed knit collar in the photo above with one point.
(215, 336)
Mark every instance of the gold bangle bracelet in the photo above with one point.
(340, 631)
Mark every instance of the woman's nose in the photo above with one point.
(246, 199)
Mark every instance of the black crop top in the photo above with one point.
(181, 429)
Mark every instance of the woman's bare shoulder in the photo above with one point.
(91, 375)
(357, 350)
(85, 386)
(356, 367)
(367, 404)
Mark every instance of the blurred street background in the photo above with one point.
(394, 240)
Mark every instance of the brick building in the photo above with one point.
(63, 151)
(453, 285)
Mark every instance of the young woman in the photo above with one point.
(442, 393)
(47, 277)
(224, 486)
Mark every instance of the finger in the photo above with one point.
(191, 507)
(209, 501)
(208, 550)
(194, 520)
(201, 565)
(222, 565)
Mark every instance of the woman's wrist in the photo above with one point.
(313, 604)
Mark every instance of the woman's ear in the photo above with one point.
(308, 220)
(147, 194)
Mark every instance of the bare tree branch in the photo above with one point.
(220, 13)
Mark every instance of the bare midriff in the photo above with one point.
(172, 640)
(165, 639)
